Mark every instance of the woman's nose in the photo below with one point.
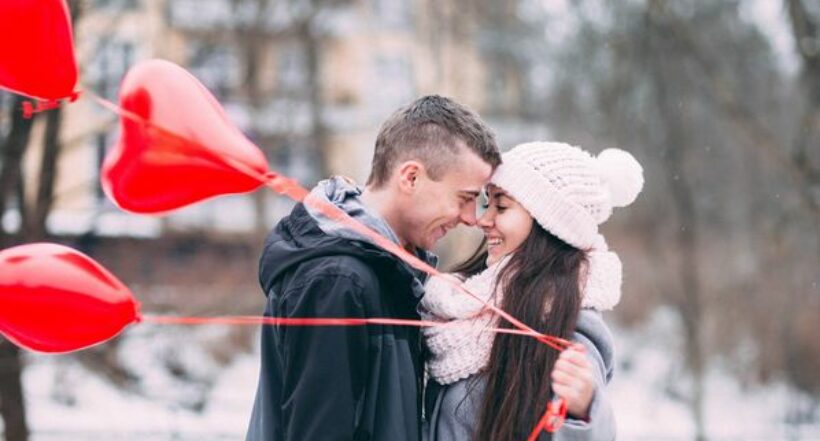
(486, 220)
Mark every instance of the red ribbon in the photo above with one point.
(556, 410)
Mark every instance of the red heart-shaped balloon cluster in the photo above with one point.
(177, 145)
(37, 48)
(56, 299)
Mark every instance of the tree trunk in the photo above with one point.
(251, 42)
(805, 32)
(35, 230)
(33, 221)
(12, 406)
(13, 148)
(689, 300)
(319, 135)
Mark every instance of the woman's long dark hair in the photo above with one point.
(541, 287)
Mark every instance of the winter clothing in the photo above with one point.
(569, 193)
(462, 348)
(339, 383)
(453, 409)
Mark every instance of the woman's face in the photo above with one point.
(506, 224)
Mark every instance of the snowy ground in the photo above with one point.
(649, 383)
(68, 403)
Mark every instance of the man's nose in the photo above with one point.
(467, 215)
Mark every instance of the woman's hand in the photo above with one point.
(574, 381)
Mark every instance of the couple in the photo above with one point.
(542, 260)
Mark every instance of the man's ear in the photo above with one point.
(409, 173)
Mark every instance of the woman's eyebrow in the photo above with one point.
(499, 194)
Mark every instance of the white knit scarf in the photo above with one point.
(462, 347)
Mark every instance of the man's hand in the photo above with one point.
(573, 380)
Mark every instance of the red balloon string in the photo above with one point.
(324, 321)
(552, 420)
(284, 185)
(180, 147)
(289, 187)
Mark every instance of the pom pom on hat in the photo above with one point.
(621, 173)
(570, 192)
(567, 190)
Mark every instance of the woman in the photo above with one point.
(544, 262)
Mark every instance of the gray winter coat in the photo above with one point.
(453, 410)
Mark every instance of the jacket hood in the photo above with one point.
(298, 238)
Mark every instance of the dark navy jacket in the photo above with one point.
(336, 383)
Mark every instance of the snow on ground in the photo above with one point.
(649, 387)
(159, 412)
(645, 392)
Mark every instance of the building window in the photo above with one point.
(109, 65)
(393, 13)
(292, 70)
(199, 14)
(115, 5)
(216, 66)
(5, 122)
(392, 80)
(497, 88)
(102, 143)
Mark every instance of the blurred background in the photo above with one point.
(718, 330)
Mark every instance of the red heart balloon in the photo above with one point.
(56, 299)
(37, 48)
(177, 145)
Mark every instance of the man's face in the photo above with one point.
(436, 207)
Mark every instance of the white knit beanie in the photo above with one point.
(569, 193)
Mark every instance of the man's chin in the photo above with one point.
(427, 244)
(434, 240)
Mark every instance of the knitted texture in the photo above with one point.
(569, 193)
(462, 346)
(566, 190)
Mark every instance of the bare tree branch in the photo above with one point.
(804, 176)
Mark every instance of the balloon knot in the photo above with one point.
(137, 312)
(30, 108)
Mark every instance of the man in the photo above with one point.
(364, 383)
